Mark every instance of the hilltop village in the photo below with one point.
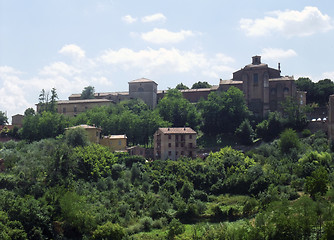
(250, 158)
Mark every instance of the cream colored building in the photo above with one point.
(172, 143)
(115, 142)
(74, 107)
(93, 133)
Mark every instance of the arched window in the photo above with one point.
(286, 91)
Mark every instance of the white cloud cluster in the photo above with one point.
(18, 91)
(158, 17)
(163, 36)
(277, 53)
(289, 23)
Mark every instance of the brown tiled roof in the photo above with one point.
(102, 94)
(179, 130)
(286, 78)
(83, 101)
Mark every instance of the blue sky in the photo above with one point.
(71, 44)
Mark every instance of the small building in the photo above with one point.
(115, 142)
(93, 133)
(172, 143)
(17, 120)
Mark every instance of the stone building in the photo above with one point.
(93, 133)
(264, 87)
(74, 107)
(144, 89)
(172, 143)
(115, 142)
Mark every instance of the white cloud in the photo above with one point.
(277, 53)
(129, 19)
(289, 23)
(158, 17)
(328, 75)
(72, 50)
(163, 36)
(162, 60)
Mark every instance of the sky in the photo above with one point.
(72, 44)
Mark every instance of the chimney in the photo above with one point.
(279, 66)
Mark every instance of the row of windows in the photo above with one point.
(74, 109)
(181, 145)
(182, 153)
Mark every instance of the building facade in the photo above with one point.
(144, 89)
(172, 143)
(115, 142)
(93, 133)
(74, 107)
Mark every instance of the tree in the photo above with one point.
(109, 230)
(177, 110)
(288, 140)
(47, 103)
(223, 112)
(200, 84)
(295, 113)
(181, 86)
(270, 128)
(76, 137)
(317, 182)
(53, 101)
(3, 118)
(245, 133)
(88, 93)
(29, 112)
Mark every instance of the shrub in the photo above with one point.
(175, 228)
(288, 141)
(76, 137)
(109, 231)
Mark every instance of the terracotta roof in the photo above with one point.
(179, 130)
(142, 80)
(101, 94)
(83, 101)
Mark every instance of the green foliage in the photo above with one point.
(223, 112)
(200, 84)
(46, 102)
(270, 128)
(181, 86)
(44, 125)
(11, 229)
(295, 114)
(94, 161)
(288, 141)
(317, 183)
(109, 231)
(3, 118)
(178, 110)
(175, 228)
(76, 137)
(316, 92)
(245, 133)
(88, 93)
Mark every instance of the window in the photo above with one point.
(169, 153)
(75, 109)
(190, 136)
(64, 110)
(177, 137)
(119, 142)
(255, 79)
(182, 153)
(169, 137)
(169, 145)
(182, 144)
(176, 144)
(190, 145)
(176, 153)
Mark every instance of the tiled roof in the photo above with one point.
(83, 101)
(180, 130)
(229, 82)
(116, 136)
(142, 80)
(286, 78)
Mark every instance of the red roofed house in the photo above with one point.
(172, 143)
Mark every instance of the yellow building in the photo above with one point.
(115, 142)
(93, 133)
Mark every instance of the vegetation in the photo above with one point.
(200, 84)
(3, 118)
(181, 86)
(88, 93)
(58, 185)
